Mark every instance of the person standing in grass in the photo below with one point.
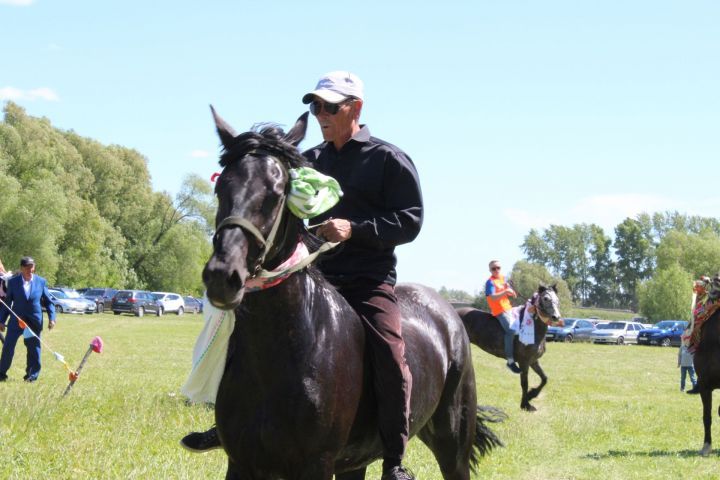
(685, 362)
(26, 294)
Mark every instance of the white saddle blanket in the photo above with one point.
(524, 327)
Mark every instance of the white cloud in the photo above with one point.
(17, 3)
(528, 220)
(200, 154)
(43, 93)
(608, 211)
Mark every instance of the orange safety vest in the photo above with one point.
(498, 306)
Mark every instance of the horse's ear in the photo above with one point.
(225, 131)
(297, 132)
(542, 288)
(554, 287)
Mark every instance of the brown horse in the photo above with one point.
(707, 367)
(485, 332)
(296, 399)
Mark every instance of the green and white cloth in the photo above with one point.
(311, 192)
(209, 354)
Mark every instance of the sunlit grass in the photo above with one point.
(611, 412)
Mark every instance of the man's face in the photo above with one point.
(338, 127)
(27, 271)
(495, 270)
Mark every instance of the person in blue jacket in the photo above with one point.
(26, 294)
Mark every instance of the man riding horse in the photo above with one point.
(497, 292)
(381, 209)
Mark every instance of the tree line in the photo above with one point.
(648, 267)
(88, 215)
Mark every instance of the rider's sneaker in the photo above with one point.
(398, 473)
(201, 442)
(514, 367)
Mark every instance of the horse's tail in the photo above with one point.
(485, 439)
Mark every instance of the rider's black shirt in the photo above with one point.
(381, 199)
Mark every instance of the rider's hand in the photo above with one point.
(2, 327)
(511, 293)
(51, 325)
(335, 230)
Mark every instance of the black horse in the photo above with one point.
(485, 332)
(296, 398)
(707, 365)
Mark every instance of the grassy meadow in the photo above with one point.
(611, 412)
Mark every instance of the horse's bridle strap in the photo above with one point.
(245, 224)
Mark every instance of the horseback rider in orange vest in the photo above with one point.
(498, 292)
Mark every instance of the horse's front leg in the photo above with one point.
(525, 402)
(706, 396)
(543, 380)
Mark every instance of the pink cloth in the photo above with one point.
(260, 283)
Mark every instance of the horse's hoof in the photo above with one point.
(707, 448)
(528, 408)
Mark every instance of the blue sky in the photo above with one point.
(517, 114)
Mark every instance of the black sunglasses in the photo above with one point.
(495, 268)
(317, 106)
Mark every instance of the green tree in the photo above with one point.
(535, 248)
(177, 261)
(667, 295)
(452, 295)
(567, 253)
(88, 215)
(696, 253)
(635, 252)
(603, 290)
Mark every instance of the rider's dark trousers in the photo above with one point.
(379, 311)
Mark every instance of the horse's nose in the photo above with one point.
(223, 282)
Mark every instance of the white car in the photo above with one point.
(169, 302)
(616, 332)
(69, 301)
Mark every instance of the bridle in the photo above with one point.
(267, 243)
(536, 302)
(246, 225)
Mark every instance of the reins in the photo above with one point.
(246, 225)
(258, 272)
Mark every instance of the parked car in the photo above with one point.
(169, 302)
(664, 333)
(137, 302)
(67, 300)
(616, 332)
(574, 329)
(102, 297)
(192, 304)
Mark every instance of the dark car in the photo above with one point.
(574, 329)
(136, 302)
(664, 333)
(193, 305)
(102, 297)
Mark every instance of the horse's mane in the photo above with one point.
(267, 138)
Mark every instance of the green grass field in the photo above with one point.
(610, 412)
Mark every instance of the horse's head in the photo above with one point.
(548, 304)
(251, 192)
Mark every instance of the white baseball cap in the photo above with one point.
(334, 87)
